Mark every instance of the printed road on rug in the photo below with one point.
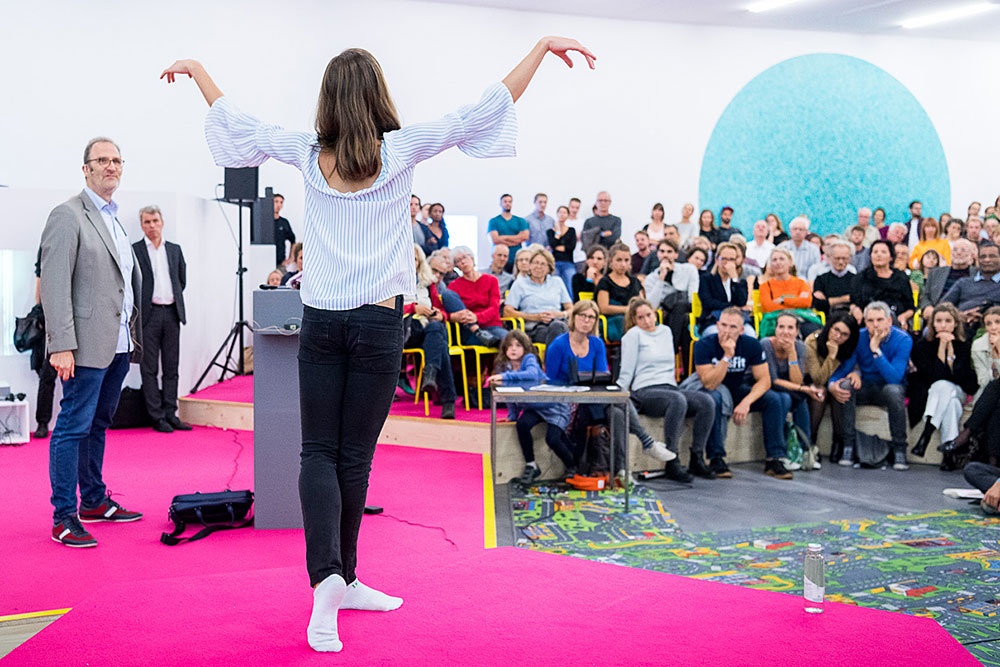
(943, 565)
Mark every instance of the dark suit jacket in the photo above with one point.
(178, 277)
(933, 289)
(713, 297)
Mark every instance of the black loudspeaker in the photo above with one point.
(241, 185)
(262, 219)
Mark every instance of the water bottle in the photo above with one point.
(814, 578)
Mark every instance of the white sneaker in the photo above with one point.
(815, 459)
(659, 451)
(900, 466)
(789, 465)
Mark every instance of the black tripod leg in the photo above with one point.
(213, 362)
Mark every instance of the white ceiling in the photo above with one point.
(850, 16)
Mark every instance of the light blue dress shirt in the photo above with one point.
(109, 213)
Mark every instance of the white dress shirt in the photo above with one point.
(163, 293)
(109, 213)
(759, 253)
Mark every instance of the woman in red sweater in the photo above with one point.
(781, 289)
(480, 294)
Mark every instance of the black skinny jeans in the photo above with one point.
(349, 362)
(553, 436)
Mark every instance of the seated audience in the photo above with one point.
(722, 288)
(522, 263)
(707, 228)
(874, 375)
(685, 227)
(783, 291)
(435, 231)
(929, 260)
(831, 291)
(562, 242)
(596, 267)
(517, 366)
(804, 254)
(759, 248)
(498, 268)
(881, 282)
(643, 251)
(896, 234)
(540, 299)
(274, 278)
(441, 261)
(953, 231)
(747, 268)
(859, 256)
(656, 228)
(647, 372)
(425, 316)
(776, 234)
(698, 258)
(939, 280)
(871, 233)
(930, 239)
(615, 290)
(984, 423)
(943, 378)
(824, 264)
(973, 296)
(974, 230)
(722, 362)
(670, 287)
(293, 266)
(479, 319)
(878, 218)
(901, 258)
(986, 350)
(652, 262)
(825, 351)
(786, 357)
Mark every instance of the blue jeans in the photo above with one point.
(76, 449)
(774, 410)
(566, 271)
(469, 338)
(348, 366)
(796, 404)
(452, 302)
(435, 346)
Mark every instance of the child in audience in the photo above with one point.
(274, 278)
(518, 366)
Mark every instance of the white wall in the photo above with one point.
(636, 126)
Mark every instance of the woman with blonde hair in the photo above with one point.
(358, 169)
(781, 290)
(776, 231)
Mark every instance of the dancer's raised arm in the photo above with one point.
(520, 76)
(194, 70)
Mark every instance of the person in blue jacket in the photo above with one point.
(517, 366)
(875, 375)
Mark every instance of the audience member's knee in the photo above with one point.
(894, 392)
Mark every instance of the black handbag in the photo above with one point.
(29, 331)
(213, 511)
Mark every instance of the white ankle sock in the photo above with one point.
(322, 630)
(359, 596)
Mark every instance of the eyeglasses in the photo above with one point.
(105, 161)
(586, 316)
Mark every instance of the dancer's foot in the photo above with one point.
(359, 596)
(322, 630)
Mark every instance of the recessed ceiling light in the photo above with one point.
(949, 15)
(765, 5)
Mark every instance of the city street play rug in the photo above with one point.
(943, 565)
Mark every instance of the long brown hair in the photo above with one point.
(501, 362)
(634, 304)
(353, 112)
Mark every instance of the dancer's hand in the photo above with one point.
(180, 67)
(561, 46)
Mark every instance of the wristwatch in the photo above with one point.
(727, 360)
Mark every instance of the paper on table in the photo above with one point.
(555, 387)
(509, 390)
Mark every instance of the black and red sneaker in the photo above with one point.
(109, 510)
(70, 533)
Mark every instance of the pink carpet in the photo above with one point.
(146, 469)
(237, 389)
(503, 606)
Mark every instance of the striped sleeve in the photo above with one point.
(237, 139)
(482, 130)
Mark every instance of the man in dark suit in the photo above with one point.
(88, 288)
(164, 275)
(282, 231)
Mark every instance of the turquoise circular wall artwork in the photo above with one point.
(823, 135)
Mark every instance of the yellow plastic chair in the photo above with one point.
(758, 311)
(416, 353)
(456, 351)
(693, 328)
(586, 296)
(917, 322)
(479, 351)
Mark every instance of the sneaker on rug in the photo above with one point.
(719, 467)
(70, 533)
(109, 510)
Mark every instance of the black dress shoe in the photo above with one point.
(177, 424)
(163, 427)
(921, 446)
(42, 431)
(448, 410)
(958, 444)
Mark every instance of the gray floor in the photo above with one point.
(751, 499)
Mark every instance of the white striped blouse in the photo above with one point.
(359, 245)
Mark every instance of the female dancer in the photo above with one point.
(358, 172)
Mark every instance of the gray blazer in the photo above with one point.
(933, 289)
(82, 286)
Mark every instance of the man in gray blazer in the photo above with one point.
(88, 286)
(941, 278)
(164, 275)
